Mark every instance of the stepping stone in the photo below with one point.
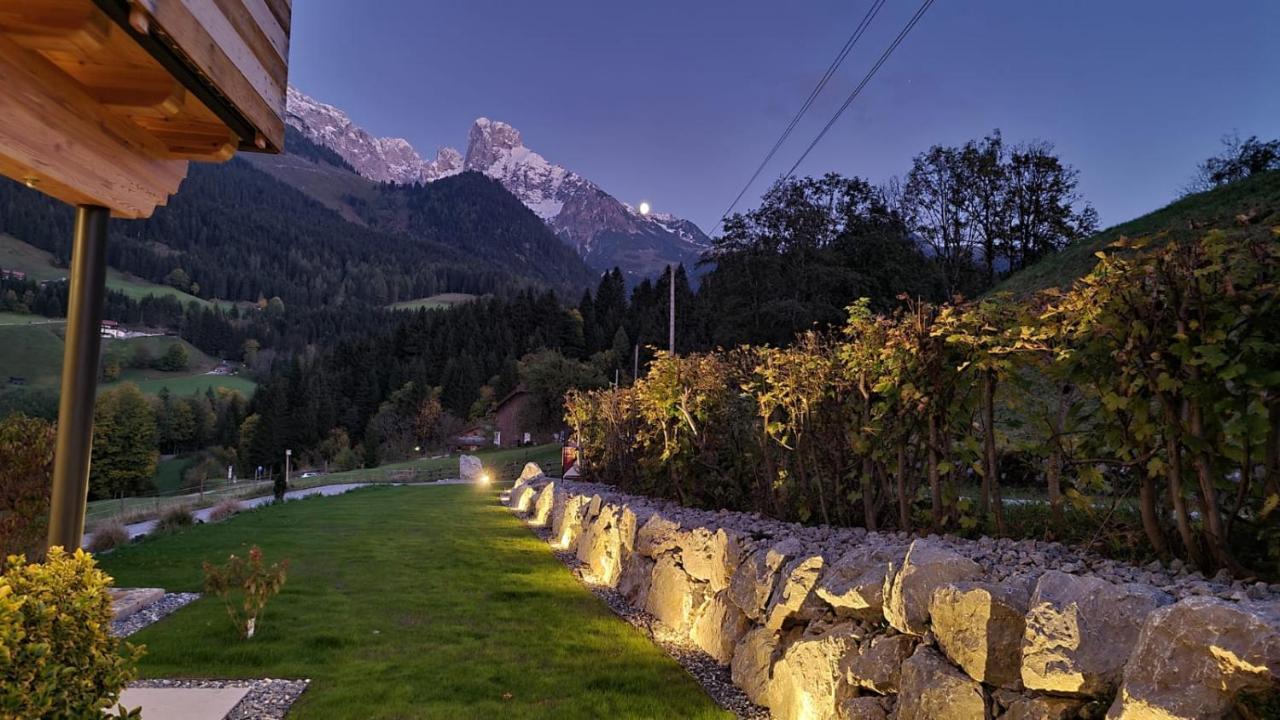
(183, 703)
(127, 601)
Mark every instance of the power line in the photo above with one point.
(813, 95)
(857, 90)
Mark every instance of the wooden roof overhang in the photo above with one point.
(103, 102)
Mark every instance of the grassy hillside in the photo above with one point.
(33, 350)
(38, 265)
(435, 302)
(1249, 206)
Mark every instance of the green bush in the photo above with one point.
(58, 658)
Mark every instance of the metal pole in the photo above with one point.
(88, 279)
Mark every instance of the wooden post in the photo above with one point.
(88, 279)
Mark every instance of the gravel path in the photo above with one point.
(268, 699)
(714, 678)
(152, 613)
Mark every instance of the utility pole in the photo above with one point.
(635, 362)
(671, 325)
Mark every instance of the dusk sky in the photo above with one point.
(676, 102)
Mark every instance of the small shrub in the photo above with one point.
(60, 659)
(175, 518)
(245, 586)
(224, 510)
(110, 535)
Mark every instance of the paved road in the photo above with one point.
(143, 528)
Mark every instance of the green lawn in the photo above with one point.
(512, 459)
(182, 385)
(409, 602)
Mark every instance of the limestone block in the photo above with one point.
(867, 707)
(727, 550)
(854, 583)
(752, 665)
(793, 596)
(635, 579)
(908, 590)
(807, 681)
(674, 597)
(657, 535)
(932, 689)
(696, 552)
(1045, 707)
(1195, 657)
(531, 471)
(752, 584)
(543, 505)
(979, 626)
(1080, 631)
(720, 626)
(600, 548)
(877, 666)
(469, 468)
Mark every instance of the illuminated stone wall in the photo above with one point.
(841, 623)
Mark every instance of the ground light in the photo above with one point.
(485, 478)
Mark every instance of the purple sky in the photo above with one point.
(677, 101)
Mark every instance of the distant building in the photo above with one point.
(509, 419)
(12, 274)
(471, 439)
(111, 329)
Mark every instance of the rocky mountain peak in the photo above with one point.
(487, 142)
(604, 231)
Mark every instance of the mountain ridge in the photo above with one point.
(605, 231)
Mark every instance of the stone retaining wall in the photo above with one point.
(837, 623)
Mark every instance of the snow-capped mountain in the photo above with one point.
(605, 231)
(388, 159)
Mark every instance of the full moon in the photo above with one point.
(644, 208)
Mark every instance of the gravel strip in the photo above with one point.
(152, 613)
(268, 699)
(710, 674)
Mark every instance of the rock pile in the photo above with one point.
(826, 623)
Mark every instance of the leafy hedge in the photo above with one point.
(1153, 385)
(58, 658)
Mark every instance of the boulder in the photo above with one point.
(979, 626)
(719, 627)
(696, 553)
(752, 665)
(657, 535)
(1045, 707)
(635, 579)
(522, 499)
(877, 666)
(469, 468)
(675, 598)
(1195, 657)
(570, 521)
(807, 682)
(932, 689)
(908, 589)
(531, 471)
(1080, 631)
(854, 584)
(793, 596)
(600, 548)
(752, 584)
(543, 505)
(727, 550)
(866, 707)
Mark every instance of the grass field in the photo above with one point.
(38, 265)
(33, 352)
(152, 382)
(168, 477)
(1257, 197)
(435, 302)
(547, 457)
(409, 602)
